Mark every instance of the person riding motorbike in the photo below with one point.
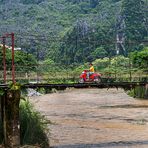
(89, 75)
(91, 70)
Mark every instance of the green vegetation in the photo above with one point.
(140, 59)
(34, 128)
(23, 61)
(139, 92)
(59, 38)
(134, 14)
(72, 31)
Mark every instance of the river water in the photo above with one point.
(93, 118)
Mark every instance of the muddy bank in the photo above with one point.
(91, 118)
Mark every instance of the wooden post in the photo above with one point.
(11, 124)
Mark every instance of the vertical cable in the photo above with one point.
(13, 67)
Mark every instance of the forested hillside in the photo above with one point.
(75, 31)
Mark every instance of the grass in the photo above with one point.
(140, 92)
(34, 126)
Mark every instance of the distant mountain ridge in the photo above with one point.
(47, 15)
(96, 23)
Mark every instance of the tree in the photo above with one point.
(99, 52)
(23, 61)
(134, 18)
(140, 59)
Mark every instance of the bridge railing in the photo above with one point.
(71, 76)
(70, 73)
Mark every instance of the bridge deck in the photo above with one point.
(78, 85)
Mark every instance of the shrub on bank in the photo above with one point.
(33, 126)
(34, 130)
(140, 92)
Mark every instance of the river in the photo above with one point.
(93, 118)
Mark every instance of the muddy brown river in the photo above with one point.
(94, 118)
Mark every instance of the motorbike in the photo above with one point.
(85, 77)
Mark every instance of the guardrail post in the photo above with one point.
(11, 125)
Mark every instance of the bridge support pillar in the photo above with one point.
(11, 124)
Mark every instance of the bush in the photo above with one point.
(33, 126)
(139, 92)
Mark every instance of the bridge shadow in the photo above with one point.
(119, 144)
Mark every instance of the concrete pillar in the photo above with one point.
(11, 124)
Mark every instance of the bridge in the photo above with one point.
(79, 85)
(10, 95)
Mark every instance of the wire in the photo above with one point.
(55, 39)
(80, 41)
